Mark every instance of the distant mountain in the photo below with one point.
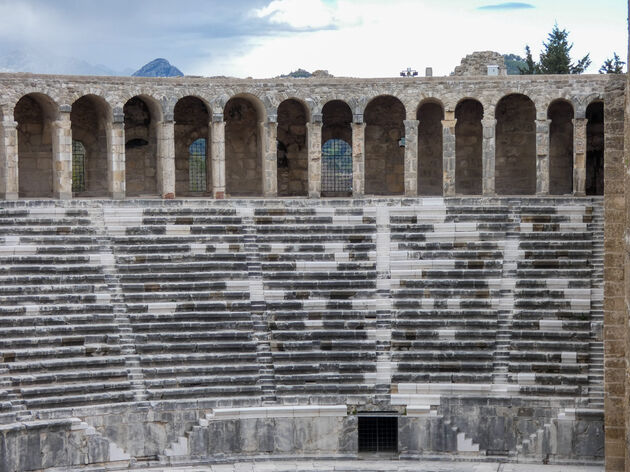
(513, 62)
(304, 74)
(158, 68)
(39, 61)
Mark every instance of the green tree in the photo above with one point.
(612, 66)
(555, 57)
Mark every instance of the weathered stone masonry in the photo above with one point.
(519, 153)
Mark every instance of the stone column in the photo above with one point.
(448, 153)
(62, 155)
(542, 155)
(166, 158)
(314, 149)
(358, 156)
(269, 146)
(217, 155)
(579, 156)
(488, 154)
(9, 179)
(411, 157)
(116, 158)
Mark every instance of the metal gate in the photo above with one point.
(336, 168)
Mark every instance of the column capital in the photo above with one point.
(217, 117)
(317, 118)
(488, 122)
(411, 123)
(449, 123)
(357, 119)
(118, 118)
(168, 117)
(65, 109)
(8, 124)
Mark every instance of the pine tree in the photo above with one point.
(555, 58)
(612, 66)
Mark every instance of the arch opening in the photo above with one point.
(243, 154)
(337, 129)
(469, 148)
(515, 161)
(430, 162)
(89, 125)
(193, 174)
(292, 151)
(140, 148)
(560, 113)
(384, 150)
(595, 149)
(34, 114)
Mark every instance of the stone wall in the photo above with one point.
(292, 150)
(615, 314)
(477, 64)
(560, 148)
(469, 148)
(140, 149)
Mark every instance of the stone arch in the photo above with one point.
(336, 125)
(142, 115)
(469, 147)
(430, 114)
(35, 114)
(243, 115)
(90, 120)
(560, 115)
(193, 172)
(384, 151)
(292, 150)
(515, 161)
(595, 148)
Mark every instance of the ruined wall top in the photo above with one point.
(314, 93)
(477, 64)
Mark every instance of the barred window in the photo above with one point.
(197, 165)
(336, 168)
(78, 166)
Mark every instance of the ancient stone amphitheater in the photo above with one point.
(200, 271)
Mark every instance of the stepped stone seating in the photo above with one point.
(446, 269)
(319, 277)
(183, 273)
(60, 338)
(549, 352)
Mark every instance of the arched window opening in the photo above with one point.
(78, 166)
(469, 148)
(292, 151)
(384, 154)
(515, 160)
(336, 139)
(197, 166)
(430, 162)
(34, 114)
(560, 114)
(89, 119)
(595, 149)
(193, 175)
(140, 149)
(336, 168)
(243, 157)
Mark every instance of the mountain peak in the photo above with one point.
(159, 67)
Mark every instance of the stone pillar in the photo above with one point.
(579, 156)
(269, 147)
(314, 149)
(166, 158)
(9, 179)
(62, 155)
(448, 153)
(542, 155)
(217, 155)
(488, 154)
(116, 158)
(358, 156)
(411, 157)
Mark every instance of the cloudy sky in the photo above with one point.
(265, 38)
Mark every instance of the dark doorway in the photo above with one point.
(595, 149)
(378, 434)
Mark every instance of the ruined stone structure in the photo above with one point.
(454, 287)
(476, 64)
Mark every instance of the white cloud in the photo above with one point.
(298, 13)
